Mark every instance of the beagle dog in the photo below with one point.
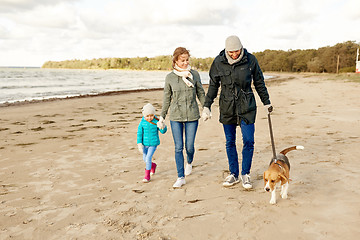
(278, 171)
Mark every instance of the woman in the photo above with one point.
(182, 86)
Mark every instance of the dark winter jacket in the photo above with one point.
(237, 100)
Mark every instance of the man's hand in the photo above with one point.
(268, 108)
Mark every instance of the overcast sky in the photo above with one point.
(35, 31)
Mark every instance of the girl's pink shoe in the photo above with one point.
(153, 168)
(147, 176)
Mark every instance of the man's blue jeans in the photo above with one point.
(248, 131)
(178, 129)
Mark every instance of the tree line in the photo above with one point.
(138, 63)
(324, 59)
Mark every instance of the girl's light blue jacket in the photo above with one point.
(148, 133)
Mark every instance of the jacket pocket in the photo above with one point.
(225, 77)
(245, 102)
(227, 86)
(226, 106)
(175, 109)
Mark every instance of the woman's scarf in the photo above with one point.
(185, 74)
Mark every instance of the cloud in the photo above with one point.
(165, 12)
(4, 32)
(61, 16)
(41, 30)
(351, 10)
(24, 5)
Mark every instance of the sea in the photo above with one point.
(18, 84)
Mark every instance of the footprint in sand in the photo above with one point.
(18, 123)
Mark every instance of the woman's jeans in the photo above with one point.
(178, 129)
(247, 131)
(148, 152)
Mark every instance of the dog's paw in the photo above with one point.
(284, 196)
(272, 201)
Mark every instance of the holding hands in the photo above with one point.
(161, 123)
(206, 114)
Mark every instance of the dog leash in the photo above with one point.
(272, 137)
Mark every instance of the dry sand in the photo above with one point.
(70, 169)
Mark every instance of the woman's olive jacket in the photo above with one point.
(181, 99)
(237, 100)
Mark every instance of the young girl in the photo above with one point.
(148, 138)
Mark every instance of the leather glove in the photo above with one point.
(268, 108)
(161, 123)
(141, 148)
(206, 114)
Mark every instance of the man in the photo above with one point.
(234, 69)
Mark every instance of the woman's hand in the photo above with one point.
(161, 123)
(206, 114)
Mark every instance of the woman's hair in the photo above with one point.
(179, 51)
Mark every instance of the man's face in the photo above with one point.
(234, 54)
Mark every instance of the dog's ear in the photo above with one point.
(264, 177)
(283, 178)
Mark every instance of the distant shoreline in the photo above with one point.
(110, 93)
(17, 67)
(276, 78)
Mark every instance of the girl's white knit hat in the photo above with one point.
(148, 109)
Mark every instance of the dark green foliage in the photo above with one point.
(138, 63)
(321, 60)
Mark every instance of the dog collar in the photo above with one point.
(281, 167)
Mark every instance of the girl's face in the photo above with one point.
(183, 61)
(149, 117)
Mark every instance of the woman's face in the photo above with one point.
(183, 61)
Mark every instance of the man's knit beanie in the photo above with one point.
(232, 43)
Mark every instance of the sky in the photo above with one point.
(35, 31)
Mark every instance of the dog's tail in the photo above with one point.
(286, 150)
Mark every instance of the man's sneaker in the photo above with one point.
(246, 182)
(188, 169)
(230, 180)
(179, 182)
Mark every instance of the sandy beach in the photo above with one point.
(70, 169)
